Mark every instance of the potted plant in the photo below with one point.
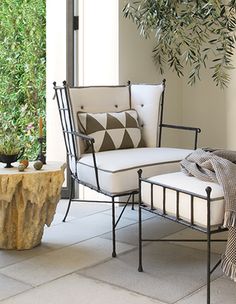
(10, 149)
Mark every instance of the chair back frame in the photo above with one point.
(72, 136)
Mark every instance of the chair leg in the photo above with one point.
(132, 202)
(208, 268)
(113, 229)
(70, 198)
(140, 267)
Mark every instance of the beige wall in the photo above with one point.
(230, 105)
(204, 106)
(135, 62)
(212, 109)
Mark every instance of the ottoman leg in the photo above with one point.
(140, 267)
(208, 191)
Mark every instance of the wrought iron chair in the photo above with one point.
(112, 131)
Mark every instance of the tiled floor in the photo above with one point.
(74, 264)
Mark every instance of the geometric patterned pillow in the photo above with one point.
(114, 130)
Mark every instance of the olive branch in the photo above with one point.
(188, 33)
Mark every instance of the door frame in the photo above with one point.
(71, 27)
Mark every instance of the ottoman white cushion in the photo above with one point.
(191, 185)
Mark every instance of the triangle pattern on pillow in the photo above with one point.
(130, 121)
(107, 143)
(119, 116)
(92, 125)
(113, 130)
(135, 134)
(82, 121)
(117, 136)
(99, 137)
(127, 141)
(101, 118)
(113, 122)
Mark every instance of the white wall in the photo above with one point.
(98, 42)
(56, 71)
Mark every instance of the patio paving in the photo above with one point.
(73, 264)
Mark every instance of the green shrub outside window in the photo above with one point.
(22, 71)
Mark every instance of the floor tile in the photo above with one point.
(167, 267)
(8, 257)
(55, 264)
(216, 247)
(155, 227)
(129, 213)
(76, 289)
(58, 217)
(75, 231)
(223, 290)
(10, 287)
(79, 209)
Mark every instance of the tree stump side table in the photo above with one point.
(28, 201)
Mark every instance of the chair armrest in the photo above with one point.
(91, 141)
(194, 129)
(82, 136)
(198, 130)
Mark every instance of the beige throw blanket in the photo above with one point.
(219, 166)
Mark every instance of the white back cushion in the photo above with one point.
(145, 99)
(98, 99)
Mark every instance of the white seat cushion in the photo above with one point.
(117, 169)
(193, 186)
